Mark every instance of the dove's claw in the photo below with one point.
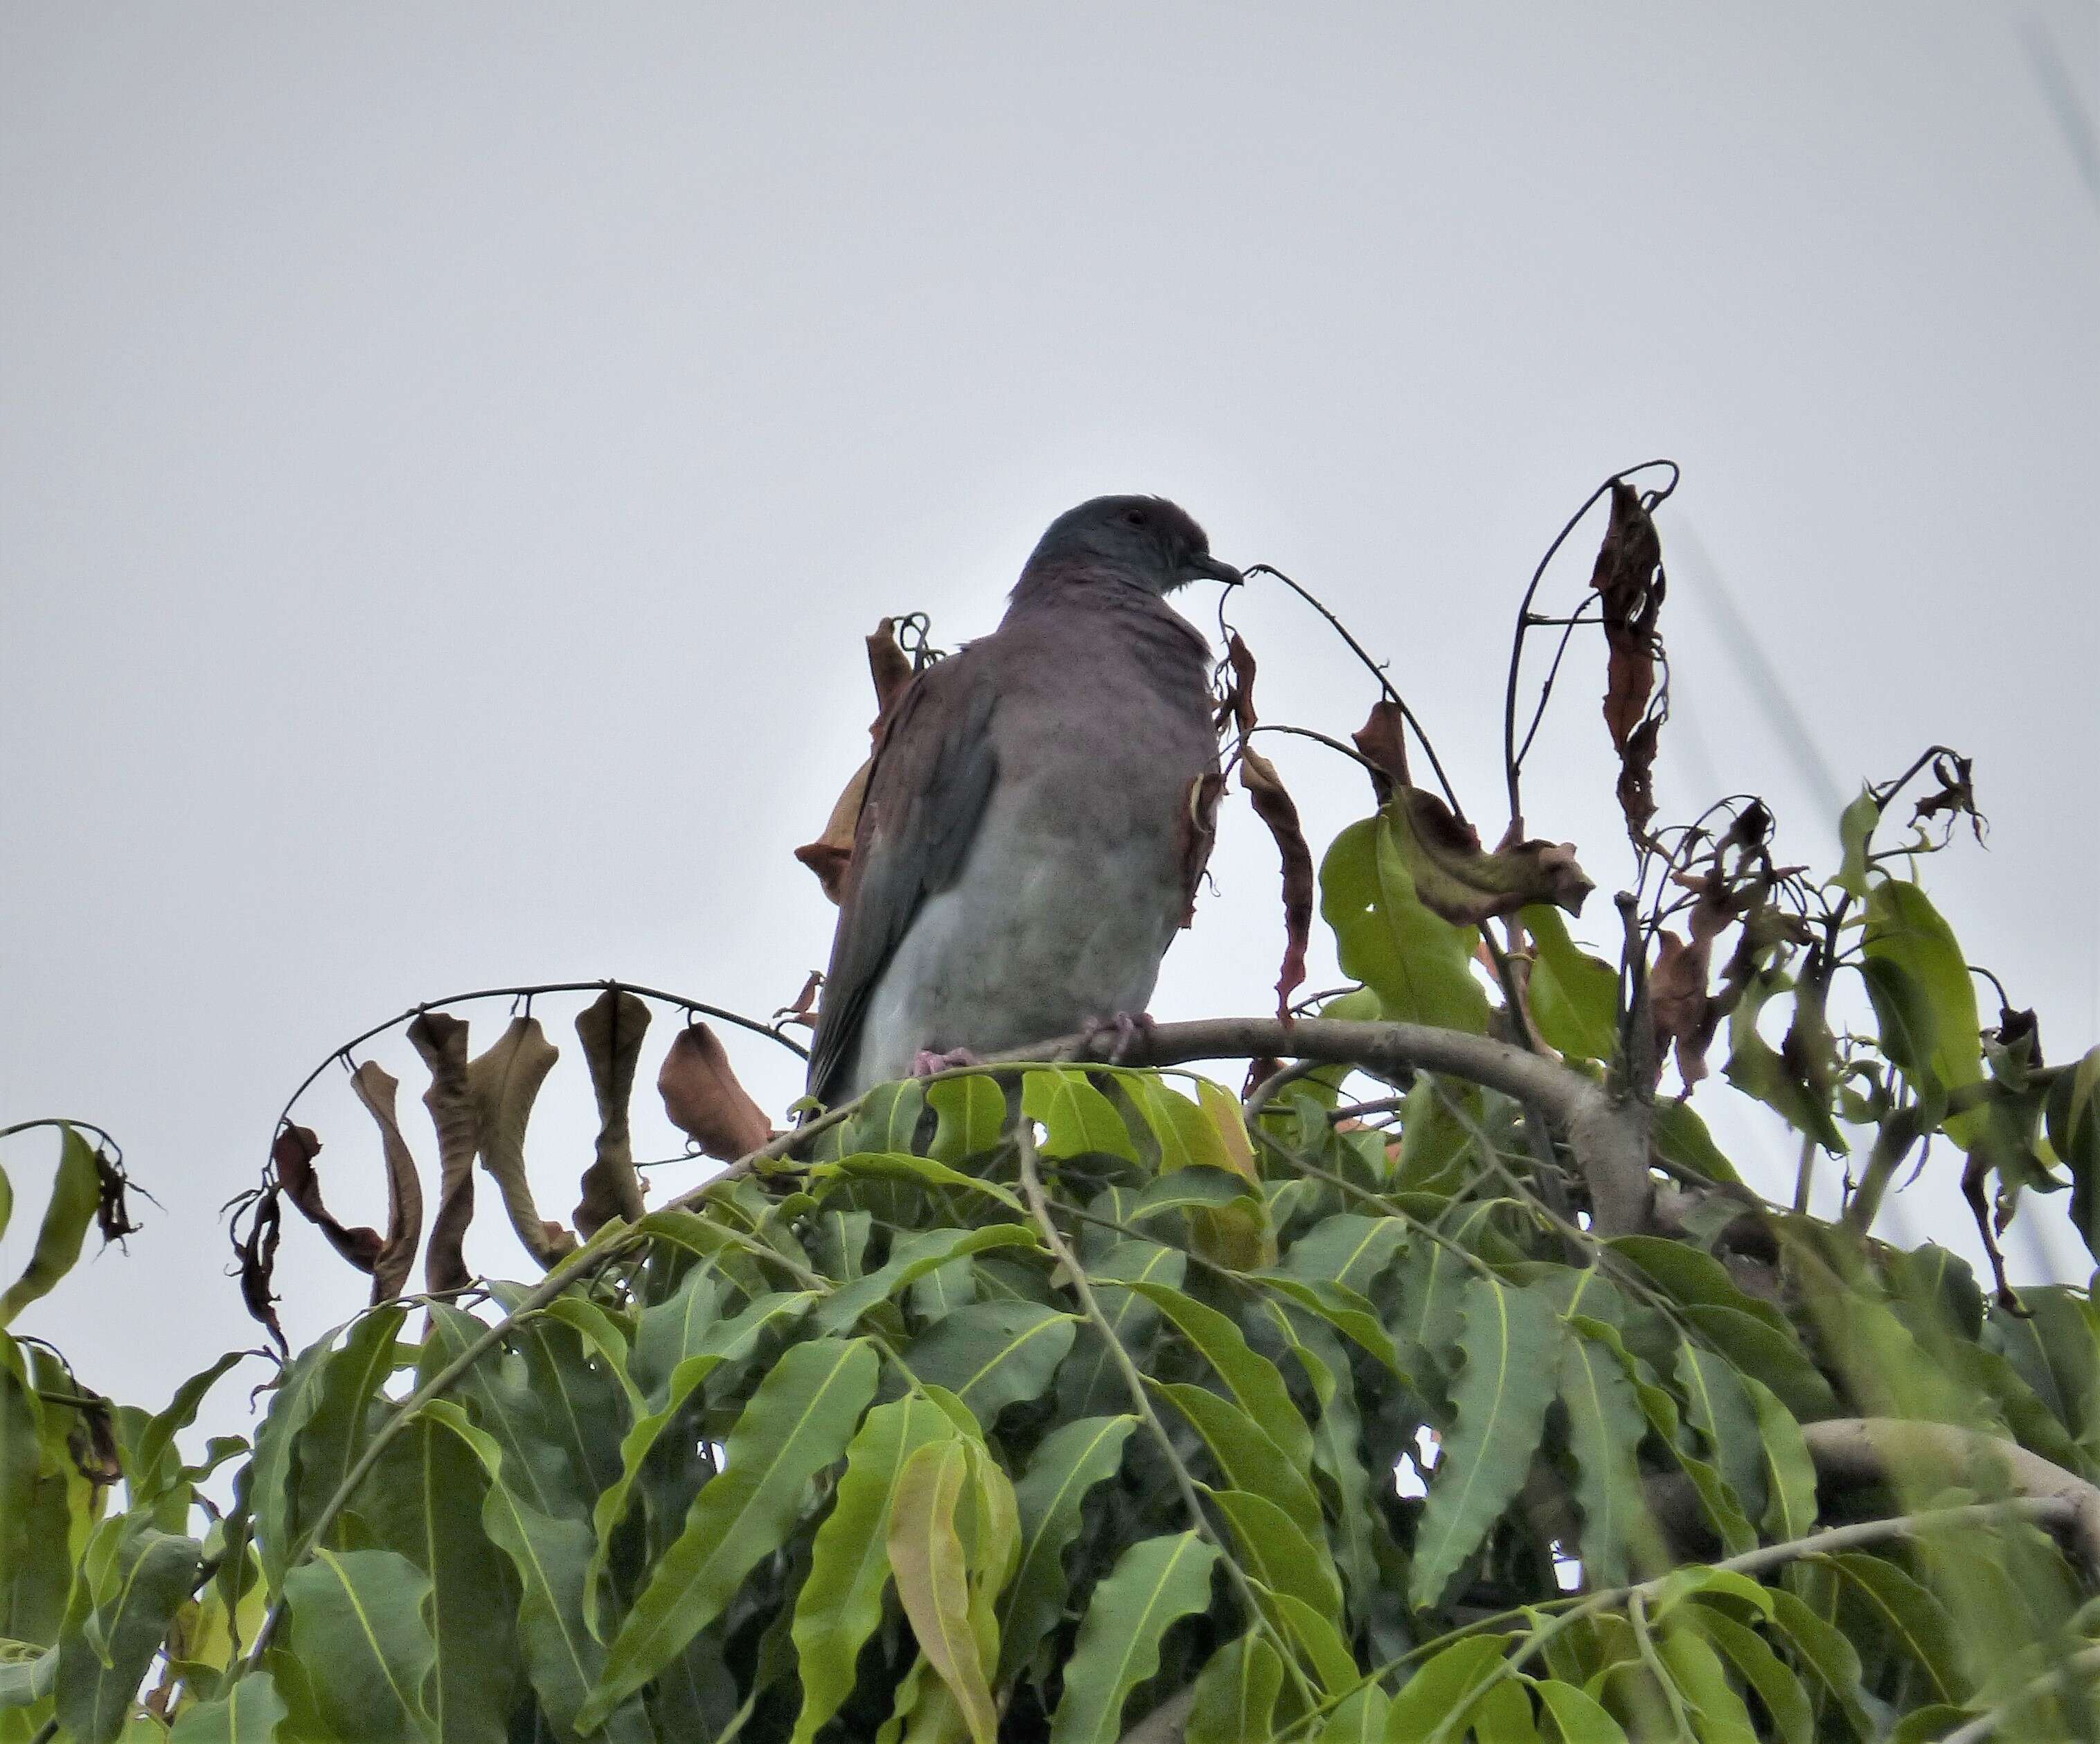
(1129, 1029)
(926, 1062)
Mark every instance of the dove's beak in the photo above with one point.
(1209, 568)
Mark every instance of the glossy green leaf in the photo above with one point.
(358, 1637)
(1155, 1582)
(1604, 1429)
(932, 1248)
(993, 1354)
(1510, 1342)
(1236, 1693)
(1579, 1717)
(800, 1419)
(1420, 966)
(925, 1171)
(1252, 1378)
(75, 1192)
(1072, 1459)
(1574, 996)
(840, 1603)
(550, 1555)
(972, 1112)
(1906, 932)
(1089, 1382)
(115, 1622)
(724, 1341)
(1250, 1460)
(250, 1713)
(1441, 1687)
(926, 1554)
(1077, 1119)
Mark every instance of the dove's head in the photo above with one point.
(1146, 540)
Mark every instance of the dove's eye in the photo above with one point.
(1134, 517)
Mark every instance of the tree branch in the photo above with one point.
(1878, 1450)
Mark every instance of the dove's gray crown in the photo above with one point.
(1022, 859)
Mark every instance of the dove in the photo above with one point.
(1028, 844)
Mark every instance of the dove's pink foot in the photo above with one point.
(925, 1063)
(1128, 1028)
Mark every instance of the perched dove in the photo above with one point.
(1024, 853)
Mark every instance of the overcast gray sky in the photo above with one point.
(451, 455)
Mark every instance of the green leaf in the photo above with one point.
(1574, 996)
(1248, 1458)
(426, 1498)
(1090, 1382)
(1716, 1405)
(124, 1598)
(1348, 1249)
(800, 1421)
(1789, 1509)
(928, 1250)
(76, 1189)
(248, 1714)
(933, 1577)
(1077, 1119)
(1236, 1693)
(1855, 830)
(1904, 929)
(335, 1433)
(1420, 966)
(1251, 1377)
(973, 1115)
(1154, 1583)
(1441, 1687)
(1581, 1717)
(993, 1354)
(840, 1602)
(550, 1555)
(1511, 1345)
(1072, 1459)
(925, 1171)
(1777, 1687)
(25, 1682)
(725, 1341)
(358, 1634)
(1186, 1136)
(159, 1435)
(1604, 1428)
(1822, 1652)
(1911, 1617)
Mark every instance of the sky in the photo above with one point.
(449, 457)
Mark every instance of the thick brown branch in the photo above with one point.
(1883, 1449)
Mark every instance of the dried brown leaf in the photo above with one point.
(1382, 741)
(440, 1038)
(610, 1029)
(829, 855)
(503, 1083)
(1685, 1016)
(1636, 785)
(1628, 575)
(294, 1154)
(1196, 832)
(804, 1010)
(375, 1089)
(1462, 882)
(705, 1101)
(1274, 805)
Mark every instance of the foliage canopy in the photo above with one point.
(1445, 1383)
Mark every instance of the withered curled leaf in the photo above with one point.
(1274, 805)
(375, 1089)
(703, 1099)
(1628, 576)
(1196, 832)
(1382, 741)
(1685, 1017)
(504, 1083)
(440, 1038)
(1460, 881)
(828, 856)
(610, 1029)
(294, 1154)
